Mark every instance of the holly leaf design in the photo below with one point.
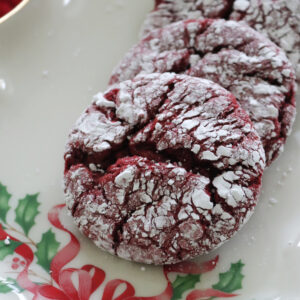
(46, 249)
(9, 284)
(26, 212)
(9, 248)
(231, 280)
(4, 198)
(183, 284)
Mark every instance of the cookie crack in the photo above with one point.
(228, 10)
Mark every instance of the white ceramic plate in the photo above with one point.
(54, 55)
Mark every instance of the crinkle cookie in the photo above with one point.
(279, 20)
(231, 54)
(163, 168)
(166, 12)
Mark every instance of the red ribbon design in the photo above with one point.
(205, 294)
(90, 278)
(69, 252)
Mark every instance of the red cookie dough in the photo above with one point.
(279, 20)
(163, 168)
(231, 54)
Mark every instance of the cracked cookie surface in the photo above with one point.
(231, 54)
(163, 168)
(279, 20)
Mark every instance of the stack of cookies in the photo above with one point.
(167, 164)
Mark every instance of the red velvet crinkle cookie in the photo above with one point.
(231, 54)
(163, 168)
(170, 11)
(279, 20)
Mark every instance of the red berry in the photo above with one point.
(7, 5)
(15, 266)
(14, 2)
(23, 263)
(4, 8)
(16, 259)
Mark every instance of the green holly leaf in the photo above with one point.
(183, 284)
(4, 288)
(46, 249)
(26, 212)
(4, 198)
(231, 280)
(9, 248)
(9, 284)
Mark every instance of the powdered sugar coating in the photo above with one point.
(182, 171)
(169, 11)
(232, 54)
(279, 20)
